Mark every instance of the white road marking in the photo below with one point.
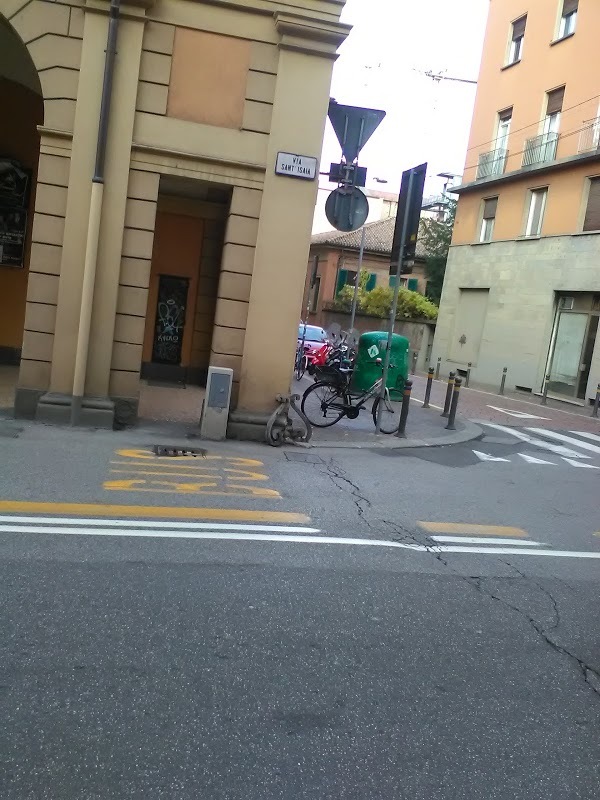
(286, 539)
(485, 457)
(574, 463)
(592, 448)
(518, 414)
(591, 436)
(485, 540)
(524, 437)
(534, 460)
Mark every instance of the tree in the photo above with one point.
(378, 302)
(436, 236)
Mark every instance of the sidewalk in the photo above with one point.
(424, 428)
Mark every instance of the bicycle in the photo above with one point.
(335, 398)
(301, 362)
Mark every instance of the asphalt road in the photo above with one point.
(321, 624)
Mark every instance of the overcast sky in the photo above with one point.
(379, 68)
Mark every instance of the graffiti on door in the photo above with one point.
(170, 319)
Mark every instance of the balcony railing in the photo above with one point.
(491, 163)
(540, 149)
(589, 138)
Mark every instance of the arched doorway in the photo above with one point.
(22, 111)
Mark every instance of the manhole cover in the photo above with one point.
(308, 458)
(171, 451)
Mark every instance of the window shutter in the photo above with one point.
(569, 7)
(489, 207)
(555, 101)
(413, 284)
(519, 28)
(371, 282)
(592, 214)
(392, 281)
(505, 115)
(341, 280)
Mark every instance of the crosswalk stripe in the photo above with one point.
(592, 448)
(484, 540)
(586, 435)
(524, 437)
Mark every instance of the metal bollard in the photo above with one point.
(544, 400)
(438, 367)
(503, 381)
(401, 432)
(454, 405)
(449, 390)
(596, 402)
(468, 377)
(428, 387)
(413, 367)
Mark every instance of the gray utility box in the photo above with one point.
(215, 411)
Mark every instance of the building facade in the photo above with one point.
(192, 251)
(522, 285)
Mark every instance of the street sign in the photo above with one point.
(295, 166)
(410, 201)
(350, 173)
(347, 210)
(353, 127)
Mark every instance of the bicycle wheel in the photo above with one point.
(323, 404)
(390, 413)
(300, 367)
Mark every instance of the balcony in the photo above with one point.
(589, 138)
(491, 163)
(540, 149)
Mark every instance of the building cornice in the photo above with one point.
(310, 35)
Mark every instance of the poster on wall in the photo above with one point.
(14, 183)
(13, 228)
(170, 319)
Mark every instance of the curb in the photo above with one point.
(469, 432)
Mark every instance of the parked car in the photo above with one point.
(314, 339)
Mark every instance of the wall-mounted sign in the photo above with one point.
(170, 319)
(294, 166)
(15, 181)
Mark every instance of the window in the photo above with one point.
(535, 215)
(413, 285)
(504, 120)
(313, 297)
(568, 20)
(489, 217)
(554, 104)
(592, 212)
(516, 44)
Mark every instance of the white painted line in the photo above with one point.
(143, 523)
(485, 457)
(507, 551)
(574, 463)
(524, 437)
(518, 414)
(534, 460)
(591, 436)
(485, 540)
(593, 448)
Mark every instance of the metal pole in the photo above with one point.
(503, 381)
(428, 387)
(357, 281)
(413, 366)
(437, 368)
(596, 402)
(454, 405)
(94, 219)
(544, 400)
(468, 377)
(401, 432)
(388, 350)
(449, 390)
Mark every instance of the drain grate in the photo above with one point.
(172, 451)
(307, 458)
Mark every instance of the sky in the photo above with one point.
(380, 66)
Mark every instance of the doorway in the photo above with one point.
(572, 345)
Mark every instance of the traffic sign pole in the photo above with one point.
(357, 281)
(388, 350)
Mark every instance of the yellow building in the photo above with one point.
(522, 286)
(192, 249)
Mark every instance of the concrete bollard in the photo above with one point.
(428, 387)
(437, 368)
(544, 400)
(449, 390)
(596, 402)
(468, 377)
(503, 380)
(454, 405)
(401, 432)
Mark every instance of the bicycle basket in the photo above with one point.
(331, 374)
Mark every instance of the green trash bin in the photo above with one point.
(372, 346)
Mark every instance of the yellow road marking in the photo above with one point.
(470, 530)
(166, 474)
(189, 488)
(147, 455)
(159, 463)
(177, 512)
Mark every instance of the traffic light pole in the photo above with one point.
(388, 349)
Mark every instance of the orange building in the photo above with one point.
(522, 286)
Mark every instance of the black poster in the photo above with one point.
(14, 200)
(170, 319)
